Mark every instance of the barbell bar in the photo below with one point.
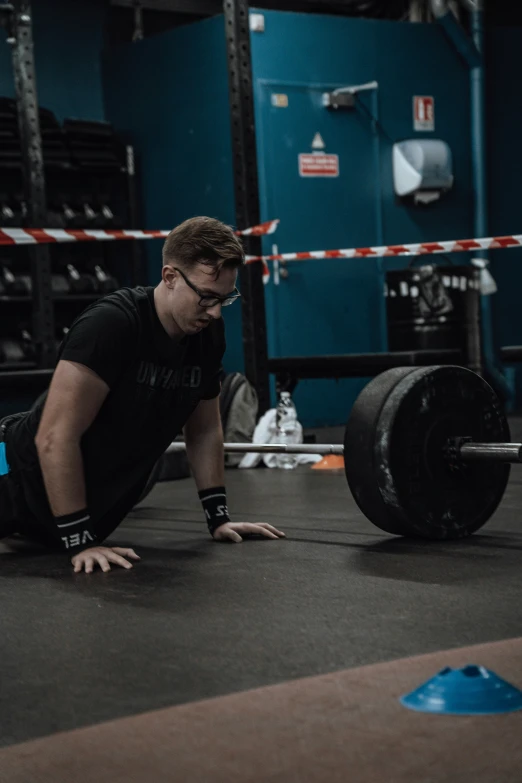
(491, 452)
(427, 451)
(271, 448)
(496, 452)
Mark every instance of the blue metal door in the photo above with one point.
(332, 306)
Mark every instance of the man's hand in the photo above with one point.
(230, 531)
(103, 556)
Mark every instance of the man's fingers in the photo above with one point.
(114, 558)
(231, 531)
(126, 552)
(103, 563)
(261, 531)
(272, 529)
(229, 535)
(102, 556)
(235, 537)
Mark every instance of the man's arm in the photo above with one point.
(93, 355)
(204, 438)
(75, 396)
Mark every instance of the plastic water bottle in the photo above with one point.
(289, 430)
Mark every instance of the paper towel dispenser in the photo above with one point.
(422, 168)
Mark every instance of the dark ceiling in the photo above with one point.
(160, 15)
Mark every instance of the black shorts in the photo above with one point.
(13, 510)
(16, 514)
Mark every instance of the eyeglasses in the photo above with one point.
(210, 300)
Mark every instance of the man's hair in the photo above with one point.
(203, 240)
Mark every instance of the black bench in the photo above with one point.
(289, 370)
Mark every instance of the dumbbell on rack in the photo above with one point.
(72, 280)
(15, 284)
(80, 282)
(17, 348)
(105, 282)
(7, 214)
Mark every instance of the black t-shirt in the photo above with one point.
(155, 384)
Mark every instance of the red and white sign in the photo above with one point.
(423, 113)
(318, 165)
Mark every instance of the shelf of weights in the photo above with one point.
(90, 183)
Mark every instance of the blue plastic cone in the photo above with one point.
(472, 690)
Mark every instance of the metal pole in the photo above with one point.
(471, 342)
(491, 452)
(478, 130)
(470, 452)
(244, 154)
(478, 152)
(271, 448)
(138, 274)
(379, 215)
(21, 40)
(480, 189)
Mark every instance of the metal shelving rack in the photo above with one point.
(16, 17)
(244, 155)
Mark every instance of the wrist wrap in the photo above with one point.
(214, 502)
(75, 531)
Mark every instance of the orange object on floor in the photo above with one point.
(330, 462)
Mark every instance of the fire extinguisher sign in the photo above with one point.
(423, 113)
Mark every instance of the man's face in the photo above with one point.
(184, 301)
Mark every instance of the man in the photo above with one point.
(136, 368)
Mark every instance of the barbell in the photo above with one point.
(271, 448)
(427, 451)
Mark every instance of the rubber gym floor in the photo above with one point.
(263, 661)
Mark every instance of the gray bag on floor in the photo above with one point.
(238, 405)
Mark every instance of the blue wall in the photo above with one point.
(505, 175)
(504, 72)
(406, 59)
(68, 39)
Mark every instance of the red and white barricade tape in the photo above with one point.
(419, 249)
(38, 236)
(262, 230)
(34, 236)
